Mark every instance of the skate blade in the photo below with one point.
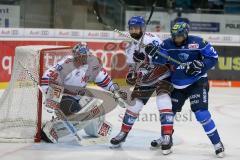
(220, 155)
(166, 152)
(115, 146)
(155, 147)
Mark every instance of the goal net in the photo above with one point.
(21, 102)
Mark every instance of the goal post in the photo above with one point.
(21, 102)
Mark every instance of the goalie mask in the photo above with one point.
(80, 53)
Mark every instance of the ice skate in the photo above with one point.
(157, 143)
(219, 150)
(119, 139)
(167, 144)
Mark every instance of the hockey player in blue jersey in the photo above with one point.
(189, 76)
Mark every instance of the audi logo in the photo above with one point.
(45, 32)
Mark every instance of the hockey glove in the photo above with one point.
(138, 57)
(131, 78)
(194, 68)
(151, 49)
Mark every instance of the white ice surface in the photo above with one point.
(190, 141)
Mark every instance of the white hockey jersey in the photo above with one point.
(145, 71)
(73, 79)
(147, 39)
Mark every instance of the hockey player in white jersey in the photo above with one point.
(147, 78)
(73, 74)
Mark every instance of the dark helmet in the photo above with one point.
(180, 29)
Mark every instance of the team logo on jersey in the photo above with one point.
(58, 67)
(183, 56)
(193, 46)
(155, 43)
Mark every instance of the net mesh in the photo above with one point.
(19, 109)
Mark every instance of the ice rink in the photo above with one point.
(190, 141)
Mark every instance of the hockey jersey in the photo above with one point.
(141, 69)
(73, 79)
(195, 48)
(147, 39)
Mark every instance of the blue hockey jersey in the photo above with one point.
(195, 48)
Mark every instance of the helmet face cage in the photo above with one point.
(180, 29)
(80, 49)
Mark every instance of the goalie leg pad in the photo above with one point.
(60, 128)
(49, 133)
(92, 128)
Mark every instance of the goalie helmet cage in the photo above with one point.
(21, 102)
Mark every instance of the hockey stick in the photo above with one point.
(58, 112)
(149, 18)
(144, 32)
(100, 20)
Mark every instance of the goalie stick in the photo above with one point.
(100, 20)
(70, 127)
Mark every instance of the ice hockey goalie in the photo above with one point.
(73, 73)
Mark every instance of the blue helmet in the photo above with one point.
(136, 21)
(180, 29)
(80, 49)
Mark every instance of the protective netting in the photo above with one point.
(19, 108)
